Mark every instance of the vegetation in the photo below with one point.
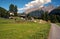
(4, 13)
(55, 15)
(13, 9)
(10, 29)
(45, 16)
(58, 24)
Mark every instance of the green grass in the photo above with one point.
(9, 29)
(58, 24)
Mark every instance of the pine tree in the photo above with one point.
(11, 8)
(15, 10)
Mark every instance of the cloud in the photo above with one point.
(24, 8)
(35, 3)
(20, 8)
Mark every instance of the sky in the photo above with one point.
(27, 4)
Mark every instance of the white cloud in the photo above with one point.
(38, 3)
(24, 8)
(20, 8)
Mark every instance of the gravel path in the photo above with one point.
(54, 32)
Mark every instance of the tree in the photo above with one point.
(3, 13)
(46, 16)
(58, 18)
(15, 10)
(11, 8)
(55, 15)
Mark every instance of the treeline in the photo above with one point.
(54, 18)
(6, 13)
(55, 15)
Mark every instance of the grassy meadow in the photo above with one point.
(11, 29)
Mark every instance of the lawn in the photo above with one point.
(9, 29)
(58, 24)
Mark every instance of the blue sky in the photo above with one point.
(21, 3)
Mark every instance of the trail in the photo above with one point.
(54, 32)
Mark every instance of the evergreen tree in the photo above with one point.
(11, 8)
(15, 10)
(3, 13)
(46, 16)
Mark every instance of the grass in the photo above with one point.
(58, 24)
(9, 29)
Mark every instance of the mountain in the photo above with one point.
(48, 8)
(30, 10)
(55, 11)
(35, 14)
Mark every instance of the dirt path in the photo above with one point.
(54, 32)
